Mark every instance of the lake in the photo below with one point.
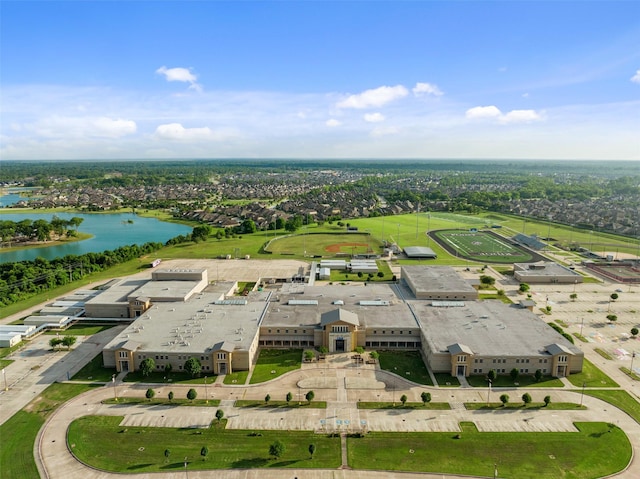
(109, 232)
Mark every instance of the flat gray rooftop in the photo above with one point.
(435, 279)
(195, 326)
(347, 297)
(489, 328)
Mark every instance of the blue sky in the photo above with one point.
(319, 79)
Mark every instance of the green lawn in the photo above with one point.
(408, 364)
(282, 404)
(162, 401)
(237, 377)
(620, 399)
(18, 434)
(596, 451)
(100, 442)
(525, 380)
(275, 362)
(81, 330)
(447, 380)
(94, 370)
(520, 406)
(438, 406)
(591, 377)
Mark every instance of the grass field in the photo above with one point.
(482, 246)
(408, 364)
(275, 362)
(620, 399)
(18, 434)
(325, 244)
(524, 381)
(596, 451)
(100, 442)
(591, 377)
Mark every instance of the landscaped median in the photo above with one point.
(596, 450)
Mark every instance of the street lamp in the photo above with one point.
(581, 326)
(206, 395)
(488, 392)
(186, 473)
(582, 395)
(115, 391)
(633, 355)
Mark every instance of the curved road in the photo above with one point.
(342, 386)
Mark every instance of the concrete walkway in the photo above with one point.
(342, 415)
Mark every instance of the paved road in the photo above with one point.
(342, 414)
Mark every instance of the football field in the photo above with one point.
(483, 246)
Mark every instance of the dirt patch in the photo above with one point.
(337, 247)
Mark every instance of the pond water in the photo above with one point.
(109, 232)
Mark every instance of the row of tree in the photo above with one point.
(22, 279)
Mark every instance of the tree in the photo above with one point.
(403, 399)
(526, 398)
(538, 375)
(170, 396)
(514, 374)
(309, 355)
(219, 414)
(167, 453)
(309, 396)
(492, 375)
(193, 367)
(612, 317)
(524, 287)
(487, 280)
(380, 274)
(289, 397)
(504, 399)
(547, 400)
(374, 355)
(55, 342)
(573, 296)
(548, 309)
(147, 366)
(614, 296)
(426, 397)
(312, 449)
(150, 394)
(276, 449)
(192, 394)
(203, 452)
(267, 398)
(359, 350)
(168, 368)
(200, 233)
(634, 332)
(69, 341)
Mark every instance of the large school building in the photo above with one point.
(178, 315)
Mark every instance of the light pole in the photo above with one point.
(4, 376)
(206, 395)
(582, 395)
(398, 238)
(633, 355)
(428, 229)
(488, 392)
(581, 326)
(115, 391)
(186, 473)
(495, 471)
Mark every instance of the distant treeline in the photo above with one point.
(23, 279)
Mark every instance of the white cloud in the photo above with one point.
(636, 78)
(483, 112)
(181, 75)
(175, 131)
(82, 127)
(520, 116)
(426, 89)
(492, 112)
(373, 117)
(374, 98)
(333, 123)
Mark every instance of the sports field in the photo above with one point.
(325, 245)
(483, 246)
